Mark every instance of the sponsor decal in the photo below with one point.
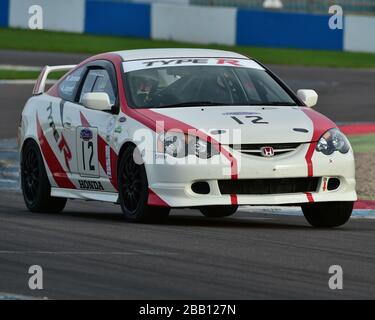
(52, 124)
(90, 185)
(118, 129)
(62, 104)
(239, 113)
(178, 62)
(148, 64)
(108, 161)
(86, 134)
(61, 142)
(254, 119)
(109, 129)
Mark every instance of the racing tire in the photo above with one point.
(133, 191)
(36, 188)
(327, 214)
(218, 211)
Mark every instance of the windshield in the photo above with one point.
(203, 85)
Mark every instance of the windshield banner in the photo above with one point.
(157, 63)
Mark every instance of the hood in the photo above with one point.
(254, 124)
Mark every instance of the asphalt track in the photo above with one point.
(88, 251)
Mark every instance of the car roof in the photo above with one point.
(169, 53)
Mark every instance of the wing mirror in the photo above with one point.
(97, 101)
(308, 97)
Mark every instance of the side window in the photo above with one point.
(98, 80)
(88, 84)
(68, 86)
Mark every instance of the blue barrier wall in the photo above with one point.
(254, 28)
(288, 30)
(115, 18)
(4, 13)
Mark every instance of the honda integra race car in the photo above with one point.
(157, 129)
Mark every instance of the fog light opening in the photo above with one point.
(200, 187)
(333, 184)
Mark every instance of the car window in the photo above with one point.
(160, 87)
(67, 87)
(98, 80)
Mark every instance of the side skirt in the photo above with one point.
(84, 195)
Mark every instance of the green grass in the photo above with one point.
(363, 143)
(365, 197)
(38, 40)
(26, 75)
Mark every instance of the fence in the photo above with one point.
(196, 24)
(305, 6)
(310, 6)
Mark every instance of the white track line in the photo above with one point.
(23, 82)
(19, 68)
(12, 296)
(296, 211)
(88, 253)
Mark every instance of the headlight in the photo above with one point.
(179, 145)
(172, 143)
(331, 141)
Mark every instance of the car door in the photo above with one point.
(60, 121)
(91, 131)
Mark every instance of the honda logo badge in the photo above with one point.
(267, 152)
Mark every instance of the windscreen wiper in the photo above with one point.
(193, 104)
(276, 103)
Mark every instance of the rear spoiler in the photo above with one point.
(42, 79)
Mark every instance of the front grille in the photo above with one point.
(255, 149)
(268, 186)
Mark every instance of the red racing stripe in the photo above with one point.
(309, 197)
(101, 153)
(233, 199)
(320, 124)
(155, 200)
(84, 121)
(53, 163)
(102, 150)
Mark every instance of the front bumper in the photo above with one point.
(173, 182)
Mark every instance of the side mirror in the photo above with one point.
(97, 101)
(308, 97)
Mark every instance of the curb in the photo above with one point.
(365, 204)
(358, 128)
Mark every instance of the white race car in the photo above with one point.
(157, 129)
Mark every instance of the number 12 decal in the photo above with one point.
(90, 146)
(87, 151)
(256, 120)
